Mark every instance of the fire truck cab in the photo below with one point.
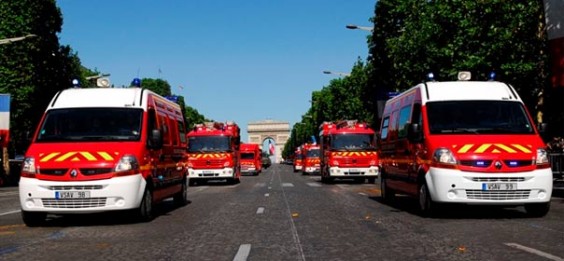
(104, 149)
(311, 159)
(348, 150)
(213, 152)
(250, 159)
(466, 142)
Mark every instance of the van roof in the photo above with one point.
(467, 90)
(101, 97)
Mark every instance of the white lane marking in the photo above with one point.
(260, 185)
(362, 193)
(243, 252)
(269, 187)
(287, 185)
(10, 212)
(197, 189)
(292, 223)
(534, 251)
(314, 184)
(260, 210)
(266, 195)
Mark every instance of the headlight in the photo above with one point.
(373, 163)
(28, 167)
(126, 163)
(335, 163)
(542, 157)
(443, 155)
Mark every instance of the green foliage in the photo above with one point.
(193, 117)
(412, 38)
(158, 86)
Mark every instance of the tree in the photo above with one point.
(34, 69)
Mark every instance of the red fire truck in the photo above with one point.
(298, 162)
(213, 152)
(250, 158)
(348, 151)
(311, 161)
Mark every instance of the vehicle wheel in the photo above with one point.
(537, 210)
(427, 207)
(181, 198)
(145, 210)
(371, 180)
(191, 182)
(387, 194)
(33, 219)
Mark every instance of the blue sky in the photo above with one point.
(242, 61)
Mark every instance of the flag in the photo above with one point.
(271, 147)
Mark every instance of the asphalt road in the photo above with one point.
(281, 215)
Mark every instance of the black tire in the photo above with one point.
(191, 182)
(33, 219)
(371, 180)
(387, 194)
(427, 207)
(145, 209)
(537, 209)
(181, 198)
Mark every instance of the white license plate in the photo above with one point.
(499, 186)
(208, 171)
(71, 194)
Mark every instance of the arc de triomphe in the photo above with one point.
(279, 131)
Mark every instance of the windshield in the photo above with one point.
(87, 124)
(298, 156)
(208, 144)
(352, 141)
(488, 117)
(312, 153)
(247, 155)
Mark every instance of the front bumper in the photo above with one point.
(355, 172)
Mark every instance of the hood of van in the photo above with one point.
(78, 161)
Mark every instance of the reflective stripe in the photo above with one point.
(506, 148)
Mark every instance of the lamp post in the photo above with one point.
(356, 27)
(337, 73)
(15, 39)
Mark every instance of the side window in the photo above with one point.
(416, 115)
(151, 125)
(384, 129)
(173, 130)
(181, 131)
(164, 129)
(403, 121)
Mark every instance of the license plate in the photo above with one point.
(499, 186)
(208, 171)
(71, 194)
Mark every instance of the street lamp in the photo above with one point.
(337, 73)
(356, 27)
(15, 39)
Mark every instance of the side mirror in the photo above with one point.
(156, 139)
(414, 133)
(542, 128)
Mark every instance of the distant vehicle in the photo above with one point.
(466, 142)
(266, 161)
(348, 150)
(250, 159)
(298, 159)
(133, 159)
(311, 159)
(213, 152)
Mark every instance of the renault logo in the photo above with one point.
(73, 173)
(497, 164)
(208, 162)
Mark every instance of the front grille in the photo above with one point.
(517, 163)
(497, 195)
(74, 203)
(53, 172)
(498, 179)
(354, 172)
(76, 187)
(95, 171)
(476, 163)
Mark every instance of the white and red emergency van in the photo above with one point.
(311, 161)
(250, 159)
(469, 142)
(104, 149)
(348, 150)
(298, 159)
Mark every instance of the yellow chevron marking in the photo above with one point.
(506, 148)
(66, 156)
(75, 159)
(483, 148)
(522, 148)
(495, 151)
(105, 155)
(50, 156)
(88, 156)
(465, 148)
